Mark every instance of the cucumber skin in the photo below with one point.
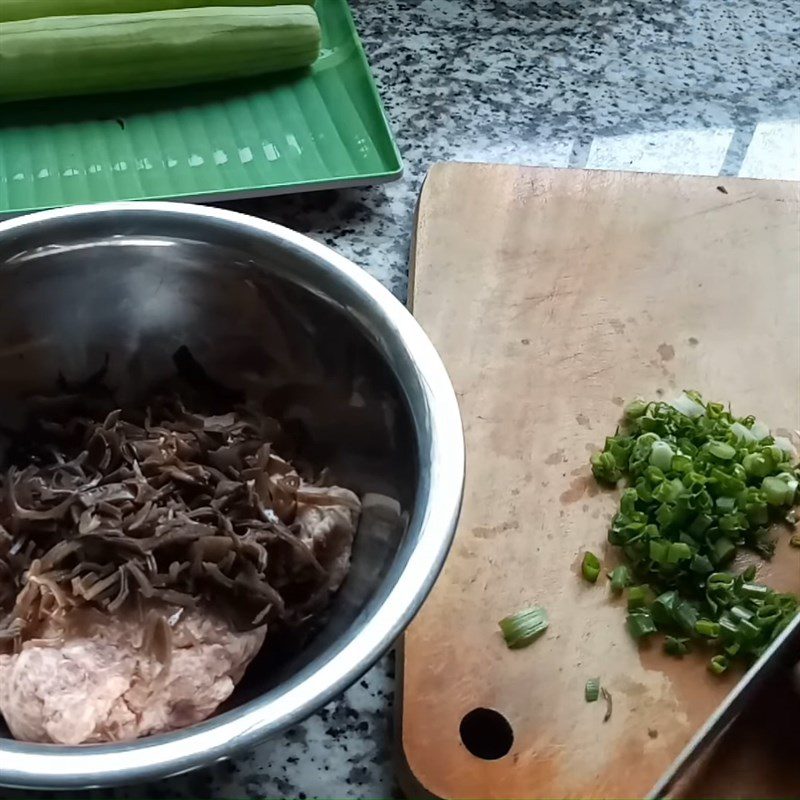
(11, 10)
(63, 56)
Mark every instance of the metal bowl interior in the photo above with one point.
(343, 365)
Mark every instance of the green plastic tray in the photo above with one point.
(317, 129)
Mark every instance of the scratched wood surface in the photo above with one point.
(554, 296)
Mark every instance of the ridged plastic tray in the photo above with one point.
(318, 129)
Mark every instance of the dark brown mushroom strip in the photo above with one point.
(6, 540)
(108, 493)
(183, 475)
(279, 532)
(216, 575)
(140, 517)
(175, 598)
(249, 584)
(175, 569)
(226, 423)
(30, 514)
(227, 563)
(88, 522)
(259, 618)
(211, 548)
(59, 551)
(11, 628)
(170, 503)
(112, 419)
(111, 510)
(100, 587)
(122, 593)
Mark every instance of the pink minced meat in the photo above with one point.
(327, 517)
(89, 678)
(105, 684)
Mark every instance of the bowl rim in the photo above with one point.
(432, 526)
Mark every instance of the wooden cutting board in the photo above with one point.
(554, 296)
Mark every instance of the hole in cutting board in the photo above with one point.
(486, 733)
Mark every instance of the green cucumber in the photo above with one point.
(58, 56)
(11, 10)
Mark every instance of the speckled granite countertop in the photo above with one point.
(687, 86)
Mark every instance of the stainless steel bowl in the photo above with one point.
(262, 308)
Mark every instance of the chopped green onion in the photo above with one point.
(681, 463)
(620, 578)
(701, 564)
(759, 430)
(721, 450)
(609, 703)
(754, 590)
(605, 468)
(726, 503)
(767, 616)
(639, 597)
(676, 646)
(724, 579)
(748, 631)
(756, 465)
(785, 446)
(742, 433)
(635, 408)
(740, 612)
(659, 551)
(592, 690)
(791, 487)
(718, 664)
(776, 491)
(728, 629)
(663, 608)
(701, 485)
(590, 567)
(661, 456)
(705, 627)
(764, 547)
(678, 551)
(520, 629)
(724, 550)
(701, 523)
(688, 405)
(640, 624)
(686, 616)
(685, 538)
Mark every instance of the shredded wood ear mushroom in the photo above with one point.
(171, 506)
